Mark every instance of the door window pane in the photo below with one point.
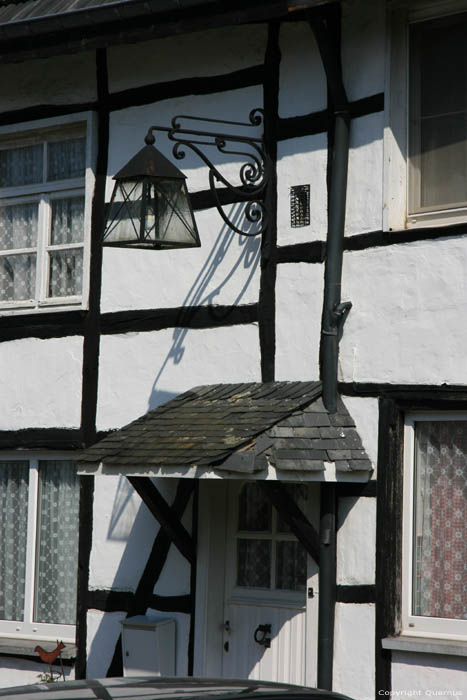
(290, 565)
(254, 563)
(255, 510)
(14, 477)
(440, 527)
(57, 551)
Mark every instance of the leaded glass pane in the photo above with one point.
(18, 226)
(254, 563)
(66, 159)
(65, 272)
(440, 526)
(67, 220)
(290, 566)
(14, 478)
(17, 277)
(21, 166)
(254, 509)
(57, 549)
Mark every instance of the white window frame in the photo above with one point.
(27, 133)
(28, 629)
(415, 625)
(396, 127)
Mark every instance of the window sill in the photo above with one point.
(25, 647)
(427, 645)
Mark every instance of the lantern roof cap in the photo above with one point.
(149, 162)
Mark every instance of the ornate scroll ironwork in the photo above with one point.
(253, 173)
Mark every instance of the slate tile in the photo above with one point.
(316, 420)
(361, 465)
(331, 433)
(335, 455)
(301, 454)
(343, 465)
(307, 465)
(341, 420)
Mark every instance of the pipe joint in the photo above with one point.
(341, 311)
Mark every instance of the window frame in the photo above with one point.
(396, 180)
(417, 625)
(29, 133)
(28, 629)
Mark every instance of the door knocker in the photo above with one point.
(261, 635)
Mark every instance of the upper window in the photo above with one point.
(438, 117)
(39, 501)
(435, 527)
(42, 218)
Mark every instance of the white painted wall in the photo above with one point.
(430, 675)
(404, 325)
(306, 92)
(363, 36)
(356, 541)
(169, 362)
(40, 383)
(225, 270)
(354, 650)
(103, 631)
(213, 52)
(299, 289)
(302, 161)
(46, 81)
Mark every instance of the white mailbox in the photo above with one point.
(148, 646)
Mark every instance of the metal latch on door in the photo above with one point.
(261, 635)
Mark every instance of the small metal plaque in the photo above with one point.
(300, 206)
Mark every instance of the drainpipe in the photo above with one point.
(327, 33)
(327, 586)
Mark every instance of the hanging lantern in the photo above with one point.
(150, 205)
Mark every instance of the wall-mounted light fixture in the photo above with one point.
(150, 205)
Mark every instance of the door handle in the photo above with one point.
(261, 635)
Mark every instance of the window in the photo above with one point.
(425, 139)
(43, 246)
(438, 117)
(435, 527)
(39, 500)
(268, 555)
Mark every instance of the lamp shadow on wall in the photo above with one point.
(204, 293)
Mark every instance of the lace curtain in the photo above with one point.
(440, 536)
(57, 552)
(14, 477)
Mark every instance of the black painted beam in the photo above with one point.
(356, 594)
(42, 438)
(165, 515)
(289, 511)
(86, 499)
(122, 601)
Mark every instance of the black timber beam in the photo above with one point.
(165, 515)
(290, 513)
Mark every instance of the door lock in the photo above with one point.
(261, 635)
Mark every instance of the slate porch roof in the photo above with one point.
(238, 428)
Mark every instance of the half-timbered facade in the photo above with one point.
(271, 429)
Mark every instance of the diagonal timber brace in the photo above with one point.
(165, 515)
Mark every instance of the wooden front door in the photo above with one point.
(270, 609)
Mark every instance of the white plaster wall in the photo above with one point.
(225, 270)
(103, 631)
(123, 533)
(354, 651)
(40, 383)
(212, 52)
(302, 80)
(430, 675)
(175, 577)
(129, 126)
(299, 295)
(14, 671)
(365, 413)
(139, 371)
(302, 161)
(47, 81)
(364, 208)
(356, 541)
(363, 35)
(405, 325)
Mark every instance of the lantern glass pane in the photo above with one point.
(124, 213)
(174, 222)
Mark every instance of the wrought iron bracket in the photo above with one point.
(254, 172)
